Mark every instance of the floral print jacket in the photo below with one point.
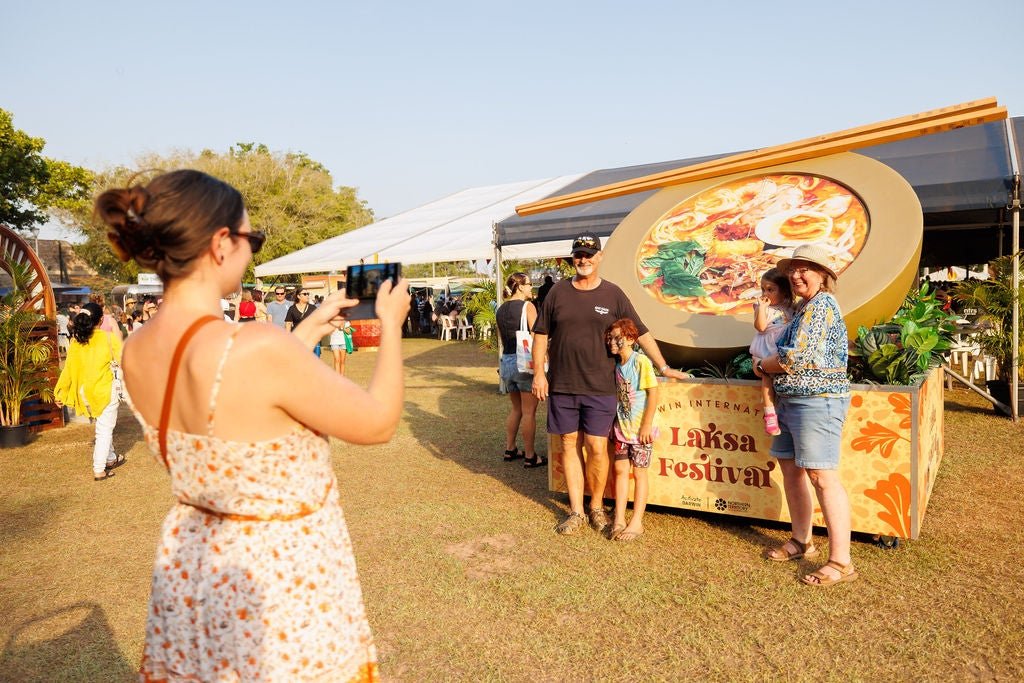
(814, 350)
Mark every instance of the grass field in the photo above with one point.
(464, 578)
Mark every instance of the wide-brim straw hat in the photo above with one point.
(812, 253)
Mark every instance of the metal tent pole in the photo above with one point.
(499, 293)
(1015, 237)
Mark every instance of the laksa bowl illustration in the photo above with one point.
(707, 253)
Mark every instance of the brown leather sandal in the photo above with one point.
(818, 578)
(779, 553)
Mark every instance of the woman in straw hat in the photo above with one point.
(813, 395)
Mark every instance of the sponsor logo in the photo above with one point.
(723, 505)
(691, 502)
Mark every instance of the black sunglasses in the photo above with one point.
(256, 239)
(303, 293)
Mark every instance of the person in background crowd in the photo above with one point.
(426, 314)
(278, 308)
(341, 346)
(299, 311)
(73, 311)
(812, 396)
(121, 320)
(542, 291)
(109, 324)
(581, 377)
(88, 385)
(522, 415)
(261, 308)
(245, 311)
(63, 335)
(149, 307)
(255, 577)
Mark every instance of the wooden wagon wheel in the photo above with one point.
(14, 248)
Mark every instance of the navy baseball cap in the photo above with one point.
(587, 242)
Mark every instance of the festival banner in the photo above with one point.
(713, 455)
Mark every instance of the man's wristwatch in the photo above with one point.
(662, 369)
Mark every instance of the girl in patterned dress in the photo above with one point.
(254, 577)
(772, 312)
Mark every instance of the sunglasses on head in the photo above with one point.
(256, 239)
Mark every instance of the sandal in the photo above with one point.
(627, 536)
(100, 477)
(819, 578)
(535, 461)
(612, 532)
(571, 524)
(513, 454)
(599, 521)
(118, 461)
(779, 554)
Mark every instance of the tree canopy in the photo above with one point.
(31, 184)
(289, 196)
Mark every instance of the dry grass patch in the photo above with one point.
(464, 578)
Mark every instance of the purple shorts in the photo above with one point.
(638, 454)
(568, 413)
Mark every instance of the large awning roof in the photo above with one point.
(962, 179)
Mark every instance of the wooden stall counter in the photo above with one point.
(712, 453)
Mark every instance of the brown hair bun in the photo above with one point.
(166, 225)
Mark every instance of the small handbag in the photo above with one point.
(115, 369)
(524, 345)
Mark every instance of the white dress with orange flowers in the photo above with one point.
(254, 578)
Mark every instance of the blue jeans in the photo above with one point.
(812, 430)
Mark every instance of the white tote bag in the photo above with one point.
(524, 345)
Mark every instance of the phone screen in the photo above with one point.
(363, 282)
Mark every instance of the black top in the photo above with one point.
(575, 322)
(507, 317)
(295, 316)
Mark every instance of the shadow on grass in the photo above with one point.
(471, 428)
(28, 519)
(84, 650)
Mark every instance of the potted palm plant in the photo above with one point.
(994, 299)
(24, 357)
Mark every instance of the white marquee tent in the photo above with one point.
(458, 227)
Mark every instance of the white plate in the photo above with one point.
(770, 228)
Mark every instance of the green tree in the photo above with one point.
(31, 184)
(288, 195)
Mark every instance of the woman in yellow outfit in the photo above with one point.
(87, 384)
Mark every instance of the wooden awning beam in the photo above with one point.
(925, 123)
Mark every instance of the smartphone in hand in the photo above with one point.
(363, 282)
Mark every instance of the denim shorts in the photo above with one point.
(593, 415)
(511, 379)
(812, 430)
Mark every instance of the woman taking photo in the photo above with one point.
(88, 386)
(813, 395)
(517, 313)
(254, 576)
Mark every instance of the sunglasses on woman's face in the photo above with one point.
(256, 239)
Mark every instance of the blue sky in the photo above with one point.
(411, 101)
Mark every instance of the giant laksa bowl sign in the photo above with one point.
(691, 257)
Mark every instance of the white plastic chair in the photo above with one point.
(464, 328)
(447, 327)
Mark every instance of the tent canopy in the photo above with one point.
(962, 179)
(458, 227)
